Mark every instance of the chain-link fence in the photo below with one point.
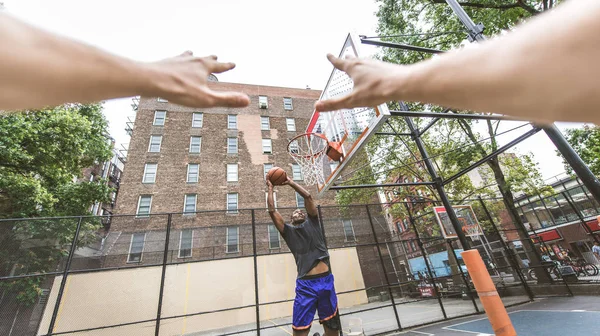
(225, 273)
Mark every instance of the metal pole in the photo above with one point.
(381, 185)
(255, 274)
(400, 46)
(63, 281)
(438, 184)
(511, 257)
(581, 219)
(581, 169)
(383, 267)
(462, 274)
(545, 207)
(424, 254)
(162, 278)
(475, 30)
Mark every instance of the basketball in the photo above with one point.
(277, 176)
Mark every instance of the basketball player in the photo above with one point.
(314, 284)
(546, 70)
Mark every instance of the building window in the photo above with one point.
(263, 102)
(233, 239)
(287, 104)
(162, 100)
(264, 123)
(232, 203)
(299, 200)
(296, 172)
(406, 246)
(274, 199)
(185, 243)
(195, 144)
(232, 145)
(136, 247)
(193, 172)
(267, 167)
(413, 246)
(155, 141)
(231, 121)
(150, 173)
(291, 124)
(189, 204)
(348, 230)
(232, 172)
(159, 118)
(294, 147)
(197, 119)
(274, 242)
(400, 228)
(144, 205)
(266, 146)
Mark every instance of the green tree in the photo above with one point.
(41, 154)
(586, 142)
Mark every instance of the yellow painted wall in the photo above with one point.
(113, 297)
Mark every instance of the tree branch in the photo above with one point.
(518, 4)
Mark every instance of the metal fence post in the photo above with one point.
(511, 257)
(255, 273)
(423, 252)
(162, 278)
(63, 282)
(462, 275)
(387, 279)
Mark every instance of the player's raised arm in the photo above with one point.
(275, 215)
(309, 202)
(546, 70)
(39, 69)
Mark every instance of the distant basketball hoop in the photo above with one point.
(308, 150)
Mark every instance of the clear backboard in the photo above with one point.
(350, 128)
(466, 217)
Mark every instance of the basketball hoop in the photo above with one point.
(471, 230)
(308, 150)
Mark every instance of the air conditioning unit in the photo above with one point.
(262, 105)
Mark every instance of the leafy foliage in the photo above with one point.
(586, 142)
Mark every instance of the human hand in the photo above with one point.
(269, 184)
(287, 181)
(375, 82)
(183, 80)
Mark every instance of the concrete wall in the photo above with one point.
(113, 297)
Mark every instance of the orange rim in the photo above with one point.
(308, 135)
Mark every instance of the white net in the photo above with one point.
(308, 150)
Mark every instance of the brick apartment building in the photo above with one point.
(207, 167)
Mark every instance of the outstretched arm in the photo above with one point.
(275, 215)
(39, 69)
(309, 202)
(545, 70)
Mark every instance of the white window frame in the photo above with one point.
(237, 203)
(237, 239)
(185, 199)
(131, 245)
(200, 121)
(297, 172)
(232, 121)
(192, 144)
(262, 99)
(232, 175)
(267, 199)
(236, 146)
(265, 170)
(344, 221)
(187, 178)
(159, 143)
(298, 198)
(286, 103)
(272, 227)
(144, 180)
(161, 100)
(191, 243)
(270, 145)
(294, 147)
(164, 118)
(290, 124)
(265, 126)
(137, 213)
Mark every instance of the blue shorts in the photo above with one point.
(314, 293)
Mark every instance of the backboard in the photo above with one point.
(466, 217)
(351, 128)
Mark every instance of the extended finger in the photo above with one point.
(187, 53)
(229, 99)
(334, 104)
(218, 67)
(338, 63)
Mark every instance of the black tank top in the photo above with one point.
(306, 243)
